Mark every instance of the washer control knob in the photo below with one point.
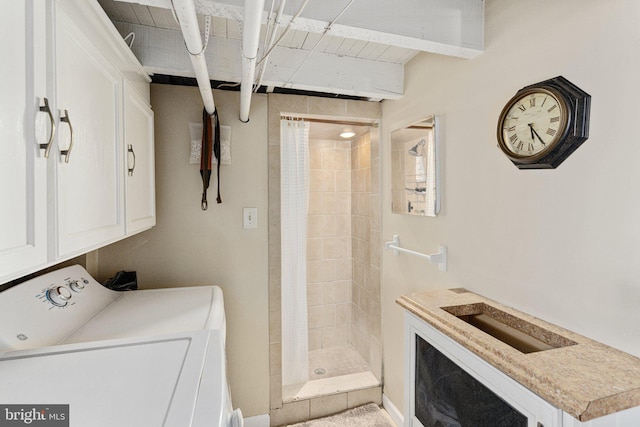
(76, 286)
(58, 296)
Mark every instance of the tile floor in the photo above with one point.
(334, 362)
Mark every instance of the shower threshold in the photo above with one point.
(329, 386)
(331, 371)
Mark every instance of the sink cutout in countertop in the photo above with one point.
(511, 330)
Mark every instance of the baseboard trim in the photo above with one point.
(257, 421)
(393, 411)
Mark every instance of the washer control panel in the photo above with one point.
(60, 295)
(48, 308)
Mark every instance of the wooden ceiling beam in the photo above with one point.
(162, 51)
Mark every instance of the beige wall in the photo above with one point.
(189, 246)
(560, 244)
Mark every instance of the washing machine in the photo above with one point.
(135, 358)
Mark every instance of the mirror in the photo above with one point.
(414, 169)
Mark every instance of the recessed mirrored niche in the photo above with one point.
(414, 169)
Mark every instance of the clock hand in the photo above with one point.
(533, 132)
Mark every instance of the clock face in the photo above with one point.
(532, 123)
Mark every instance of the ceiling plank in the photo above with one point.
(357, 48)
(394, 54)
(373, 51)
(163, 18)
(218, 26)
(162, 51)
(126, 11)
(111, 9)
(294, 39)
(143, 14)
(311, 41)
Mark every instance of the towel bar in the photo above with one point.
(439, 258)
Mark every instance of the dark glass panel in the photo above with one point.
(447, 396)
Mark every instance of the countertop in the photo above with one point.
(583, 377)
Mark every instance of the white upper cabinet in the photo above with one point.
(23, 190)
(66, 54)
(139, 143)
(89, 166)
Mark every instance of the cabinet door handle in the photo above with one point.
(66, 153)
(133, 154)
(47, 147)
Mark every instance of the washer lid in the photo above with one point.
(155, 312)
(151, 383)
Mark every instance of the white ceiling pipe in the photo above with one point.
(185, 11)
(253, 11)
(272, 38)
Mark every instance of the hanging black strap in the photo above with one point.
(210, 145)
(205, 157)
(216, 149)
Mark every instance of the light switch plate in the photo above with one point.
(249, 217)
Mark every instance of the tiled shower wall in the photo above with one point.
(329, 266)
(343, 248)
(366, 334)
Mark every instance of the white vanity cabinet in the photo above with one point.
(23, 189)
(140, 162)
(535, 411)
(88, 165)
(462, 373)
(81, 197)
(470, 360)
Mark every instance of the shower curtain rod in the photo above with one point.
(332, 122)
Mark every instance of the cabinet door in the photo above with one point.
(138, 138)
(89, 187)
(23, 191)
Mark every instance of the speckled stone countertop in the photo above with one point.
(583, 377)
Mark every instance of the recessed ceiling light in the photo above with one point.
(347, 133)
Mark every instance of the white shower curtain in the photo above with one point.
(294, 191)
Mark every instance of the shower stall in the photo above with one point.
(336, 299)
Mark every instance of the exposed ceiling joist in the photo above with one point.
(345, 47)
(162, 51)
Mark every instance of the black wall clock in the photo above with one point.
(544, 123)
